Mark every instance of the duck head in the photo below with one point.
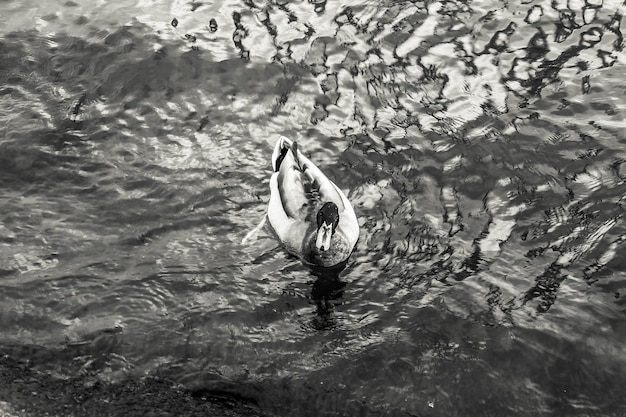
(327, 221)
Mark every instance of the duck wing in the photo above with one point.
(300, 191)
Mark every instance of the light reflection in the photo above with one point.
(478, 143)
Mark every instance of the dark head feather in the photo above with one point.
(329, 214)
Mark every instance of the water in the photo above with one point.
(481, 143)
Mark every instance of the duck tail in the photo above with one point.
(280, 150)
(283, 146)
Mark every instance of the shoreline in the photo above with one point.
(25, 392)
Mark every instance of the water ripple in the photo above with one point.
(481, 145)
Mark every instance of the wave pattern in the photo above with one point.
(482, 144)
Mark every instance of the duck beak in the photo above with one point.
(324, 233)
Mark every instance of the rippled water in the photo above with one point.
(483, 147)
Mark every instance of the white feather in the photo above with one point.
(291, 211)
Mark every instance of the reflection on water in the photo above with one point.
(482, 145)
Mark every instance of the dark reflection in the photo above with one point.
(481, 143)
(213, 25)
(546, 287)
(319, 5)
(239, 35)
(326, 291)
(500, 40)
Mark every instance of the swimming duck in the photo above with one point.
(309, 214)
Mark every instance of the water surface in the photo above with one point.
(481, 144)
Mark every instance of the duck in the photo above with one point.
(311, 217)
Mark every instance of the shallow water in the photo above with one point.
(482, 145)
